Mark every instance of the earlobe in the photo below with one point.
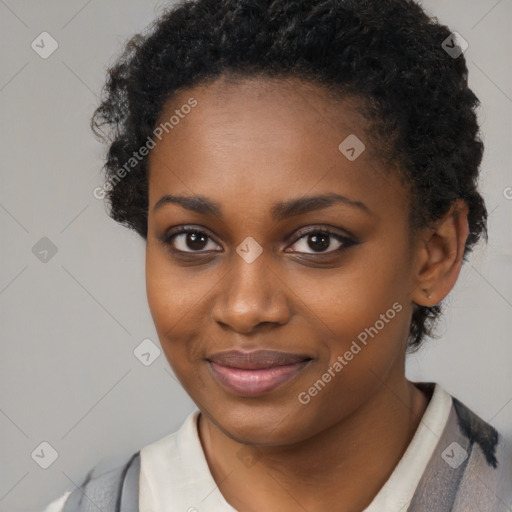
(440, 256)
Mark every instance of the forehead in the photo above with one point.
(257, 141)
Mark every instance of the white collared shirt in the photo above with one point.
(175, 477)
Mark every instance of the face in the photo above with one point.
(266, 267)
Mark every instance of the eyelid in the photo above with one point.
(170, 234)
(346, 241)
(322, 228)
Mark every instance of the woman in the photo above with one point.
(305, 176)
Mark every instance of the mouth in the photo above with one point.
(255, 373)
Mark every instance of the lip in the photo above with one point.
(257, 372)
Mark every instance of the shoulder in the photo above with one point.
(479, 433)
(470, 469)
(58, 504)
(485, 459)
(103, 490)
(156, 457)
(486, 450)
(461, 421)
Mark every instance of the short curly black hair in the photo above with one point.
(388, 53)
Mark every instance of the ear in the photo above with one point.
(439, 256)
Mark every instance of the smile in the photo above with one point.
(254, 382)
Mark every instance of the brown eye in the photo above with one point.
(320, 240)
(189, 240)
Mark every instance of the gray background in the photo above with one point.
(69, 325)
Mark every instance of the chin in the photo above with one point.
(253, 426)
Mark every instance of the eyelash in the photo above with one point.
(346, 242)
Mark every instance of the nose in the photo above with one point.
(251, 294)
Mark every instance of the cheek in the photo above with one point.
(166, 298)
(170, 292)
(362, 314)
(160, 291)
(174, 298)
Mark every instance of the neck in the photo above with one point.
(341, 468)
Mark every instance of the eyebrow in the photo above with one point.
(279, 211)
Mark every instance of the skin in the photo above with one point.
(248, 145)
